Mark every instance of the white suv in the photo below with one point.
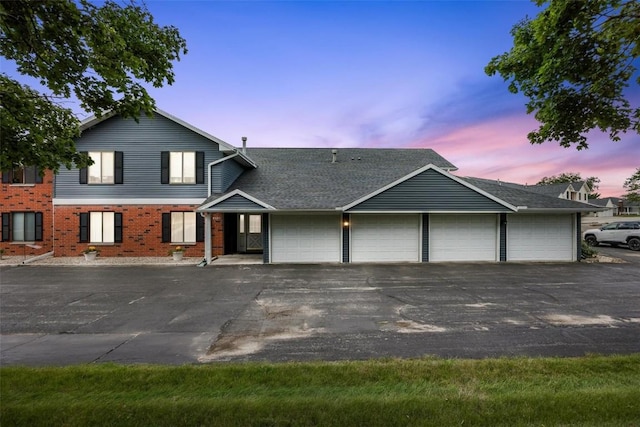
(615, 233)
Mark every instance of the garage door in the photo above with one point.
(305, 238)
(540, 238)
(463, 237)
(385, 238)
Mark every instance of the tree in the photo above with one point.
(101, 55)
(568, 177)
(632, 186)
(573, 63)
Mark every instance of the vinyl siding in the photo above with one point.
(430, 191)
(141, 144)
(230, 172)
(237, 203)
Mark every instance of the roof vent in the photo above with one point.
(244, 145)
(334, 156)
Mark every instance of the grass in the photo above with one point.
(589, 391)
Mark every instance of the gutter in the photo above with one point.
(215, 162)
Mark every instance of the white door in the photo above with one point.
(540, 238)
(385, 238)
(468, 237)
(305, 238)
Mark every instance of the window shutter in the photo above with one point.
(199, 167)
(6, 227)
(84, 227)
(118, 175)
(164, 167)
(84, 172)
(199, 228)
(117, 227)
(6, 177)
(39, 226)
(30, 174)
(166, 227)
(39, 175)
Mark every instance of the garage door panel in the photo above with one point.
(540, 238)
(385, 238)
(463, 237)
(305, 238)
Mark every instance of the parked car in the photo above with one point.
(614, 234)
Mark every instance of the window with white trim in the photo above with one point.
(183, 227)
(103, 167)
(182, 167)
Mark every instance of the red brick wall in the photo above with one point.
(141, 231)
(30, 198)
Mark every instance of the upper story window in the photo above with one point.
(107, 168)
(102, 169)
(22, 175)
(22, 226)
(182, 167)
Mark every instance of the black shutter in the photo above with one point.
(6, 227)
(166, 227)
(84, 227)
(84, 171)
(117, 227)
(30, 174)
(164, 167)
(199, 167)
(39, 226)
(7, 177)
(39, 175)
(118, 167)
(199, 228)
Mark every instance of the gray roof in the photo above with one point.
(306, 178)
(522, 195)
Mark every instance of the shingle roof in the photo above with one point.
(521, 195)
(306, 178)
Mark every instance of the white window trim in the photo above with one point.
(173, 178)
(100, 162)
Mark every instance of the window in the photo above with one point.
(22, 175)
(182, 227)
(106, 168)
(22, 226)
(102, 169)
(182, 167)
(101, 227)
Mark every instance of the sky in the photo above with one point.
(392, 74)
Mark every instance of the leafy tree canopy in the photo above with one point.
(632, 187)
(573, 63)
(568, 177)
(101, 55)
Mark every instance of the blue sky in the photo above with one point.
(370, 74)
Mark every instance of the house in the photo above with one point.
(26, 211)
(610, 207)
(160, 182)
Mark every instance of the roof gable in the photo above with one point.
(430, 189)
(233, 202)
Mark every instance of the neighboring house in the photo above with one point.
(372, 205)
(140, 195)
(610, 207)
(26, 212)
(576, 191)
(629, 208)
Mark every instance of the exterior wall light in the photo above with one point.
(345, 223)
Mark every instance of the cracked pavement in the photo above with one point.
(178, 315)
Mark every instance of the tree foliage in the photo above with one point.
(573, 63)
(632, 187)
(101, 55)
(569, 177)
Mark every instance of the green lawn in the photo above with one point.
(589, 391)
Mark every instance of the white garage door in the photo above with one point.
(385, 238)
(305, 238)
(540, 238)
(469, 237)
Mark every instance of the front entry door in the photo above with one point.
(249, 233)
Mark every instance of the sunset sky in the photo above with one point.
(371, 74)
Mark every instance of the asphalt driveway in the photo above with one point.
(176, 315)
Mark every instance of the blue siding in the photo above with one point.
(425, 237)
(230, 172)
(430, 191)
(237, 203)
(141, 144)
